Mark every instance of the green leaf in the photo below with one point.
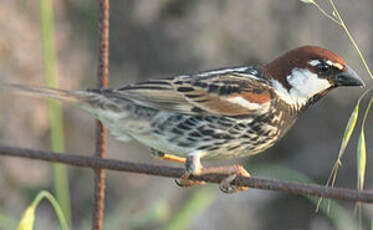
(349, 130)
(362, 151)
(61, 183)
(28, 219)
(350, 127)
(361, 161)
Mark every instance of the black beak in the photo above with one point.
(348, 78)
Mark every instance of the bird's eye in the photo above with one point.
(323, 67)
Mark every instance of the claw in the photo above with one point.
(226, 186)
(232, 172)
(192, 167)
(185, 182)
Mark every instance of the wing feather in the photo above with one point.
(229, 93)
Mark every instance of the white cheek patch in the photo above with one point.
(306, 84)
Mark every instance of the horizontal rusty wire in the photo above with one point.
(166, 171)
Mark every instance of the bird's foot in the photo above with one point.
(232, 171)
(194, 167)
(226, 184)
(184, 181)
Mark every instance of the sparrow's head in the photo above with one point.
(307, 73)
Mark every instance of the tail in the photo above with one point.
(95, 101)
(59, 94)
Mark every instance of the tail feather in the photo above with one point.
(60, 94)
(94, 101)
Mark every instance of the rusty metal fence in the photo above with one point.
(99, 163)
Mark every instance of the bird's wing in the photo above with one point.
(229, 92)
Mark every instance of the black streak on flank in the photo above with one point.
(202, 101)
(204, 147)
(193, 95)
(178, 82)
(185, 89)
(190, 122)
(213, 148)
(233, 147)
(195, 134)
(197, 110)
(177, 131)
(213, 89)
(153, 82)
(227, 90)
(185, 144)
(143, 87)
(182, 126)
(206, 132)
(200, 84)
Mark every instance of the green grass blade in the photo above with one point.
(337, 18)
(196, 204)
(313, 2)
(349, 35)
(361, 161)
(350, 127)
(361, 155)
(57, 209)
(361, 166)
(55, 112)
(28, 217)
(361, 150)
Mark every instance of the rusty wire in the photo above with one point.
(102, 81)
(165, 171)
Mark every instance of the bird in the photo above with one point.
(217, 114)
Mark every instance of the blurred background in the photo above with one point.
(157, 38)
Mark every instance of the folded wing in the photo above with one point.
(222, 93)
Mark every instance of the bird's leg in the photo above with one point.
(189, 163)
(168, 157)
(193, 166)
(232, 171)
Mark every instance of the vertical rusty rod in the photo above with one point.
(102, 81)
